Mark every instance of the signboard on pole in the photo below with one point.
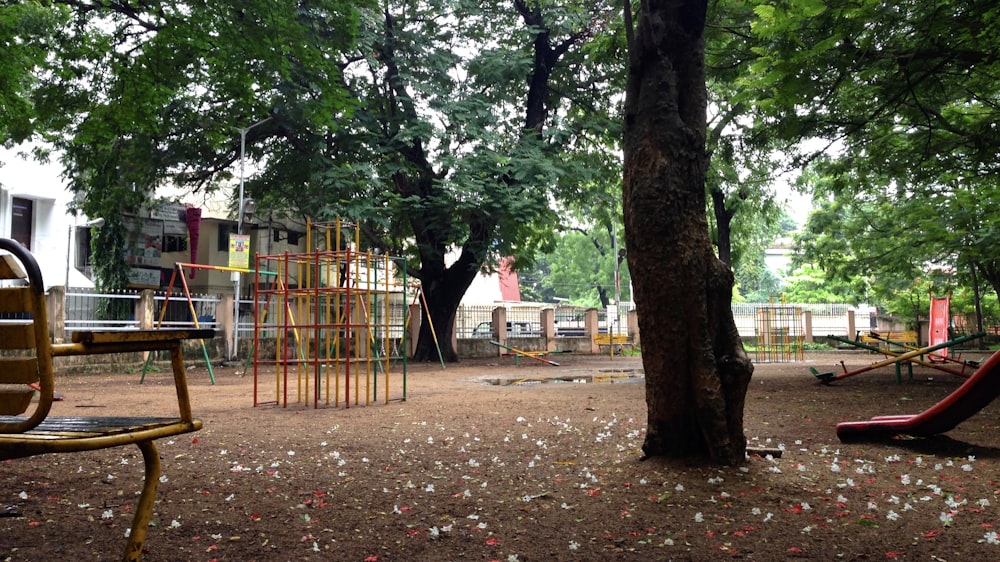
(239, 251)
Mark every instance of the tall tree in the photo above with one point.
(906, 95)
(137, 95)
(435, 126)
(582, 267)
(697, 372)
(471, 142)
(744, 159)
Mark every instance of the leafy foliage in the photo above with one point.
(26, 28)
(582, 269)
(135, 96)
(383, 115)
(905, 95)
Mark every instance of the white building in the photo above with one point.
(33, 203)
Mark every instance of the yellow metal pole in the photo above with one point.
(281, 326)
(387, 321)
(369, 341)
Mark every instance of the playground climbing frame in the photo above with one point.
(779, 332)
(330, 324)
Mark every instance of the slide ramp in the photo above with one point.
(975, 394)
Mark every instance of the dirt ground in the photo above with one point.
(523, 470)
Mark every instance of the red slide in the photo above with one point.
(978, 391)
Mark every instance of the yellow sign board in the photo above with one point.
(239, 251)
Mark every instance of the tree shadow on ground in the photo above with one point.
(944, 446)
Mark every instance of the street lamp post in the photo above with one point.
(95, 223)
(235, 276)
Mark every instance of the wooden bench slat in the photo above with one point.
(68, 435)
(140, 336)
(55, 427)
(18, 370)
(14, 401)
(15, 300)
(10, 268)
(18, 334)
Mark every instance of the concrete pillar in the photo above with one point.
(55, 306)
(145, 313)
(807, 326)
(852, 329)
(500, 327)
(632, 321)
(454, 334)
(590, 328)
(224, 316)
(763, 327)
(362, 344)
(547, 318)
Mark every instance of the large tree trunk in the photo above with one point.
(443, 289)
(434, 341)
(697, 372)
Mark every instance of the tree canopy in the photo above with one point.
(435, 126)
(903, 99)
(26, 28)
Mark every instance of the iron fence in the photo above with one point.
(474, 321)
(827, 319)
(83, 307)
(471, 321)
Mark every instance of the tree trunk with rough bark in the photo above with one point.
(697, 372)
(442, 290)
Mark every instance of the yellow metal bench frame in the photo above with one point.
(26, 371)
(610, 341)
(900, 339)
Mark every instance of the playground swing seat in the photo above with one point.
(26, 376)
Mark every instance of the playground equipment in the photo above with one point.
(938, 329)
(898, 358)
(178, 273)
(778, 328)
(327, 320)
(936, 357)
(518, 353)
(974, 395)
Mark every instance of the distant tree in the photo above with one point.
(809, 284)
(532, 280)
(582, 268)
(757, 283)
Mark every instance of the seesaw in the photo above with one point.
(536, 355)
(895, 358)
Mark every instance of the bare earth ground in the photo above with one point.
(465, 470)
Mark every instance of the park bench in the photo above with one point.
(611, 342)
(26, 377)
(899, 339)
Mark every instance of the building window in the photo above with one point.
(224, 231)
(175, 243)
(22, 211)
